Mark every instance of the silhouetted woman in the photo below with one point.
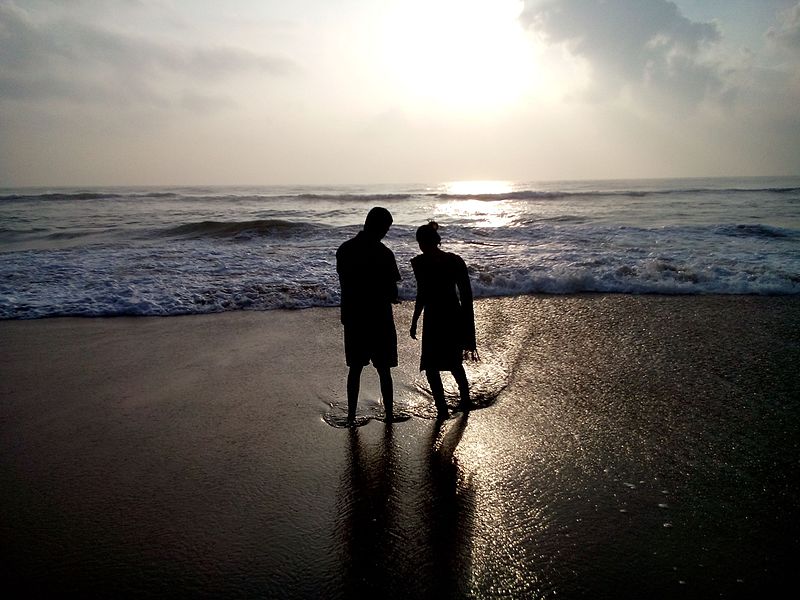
(444, 294)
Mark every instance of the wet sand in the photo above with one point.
(628, 446)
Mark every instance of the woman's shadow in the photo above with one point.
(451, 512)
(405, 525)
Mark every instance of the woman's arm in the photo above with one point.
(418, 306)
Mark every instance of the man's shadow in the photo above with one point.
(366, 508)
(405, 526)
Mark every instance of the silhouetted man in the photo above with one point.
(368, 276)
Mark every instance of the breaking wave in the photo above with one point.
(239, 229)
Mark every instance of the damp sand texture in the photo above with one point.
(627, 447)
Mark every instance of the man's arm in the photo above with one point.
(394, 277)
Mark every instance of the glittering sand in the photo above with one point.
(627, 446)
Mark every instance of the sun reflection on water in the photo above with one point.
(508, 522)
(474, 200)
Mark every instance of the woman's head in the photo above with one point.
(428, 237)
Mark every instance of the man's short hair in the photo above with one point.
(378, 219)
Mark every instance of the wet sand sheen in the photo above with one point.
(639, 446)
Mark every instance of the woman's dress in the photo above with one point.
(448, 324)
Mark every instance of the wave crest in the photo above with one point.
(233, 229)
(754, 230)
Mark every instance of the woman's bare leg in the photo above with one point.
(437, 389)
(463, 386)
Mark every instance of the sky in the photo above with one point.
(245, 92)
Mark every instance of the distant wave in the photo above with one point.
(356, 197)
(157, 195)
(557, 195)
(529, 194)
(223, 229)
(535, 195)
(61, 196)
(543, 194)
(11, 235)
(12, 231)
(69, 235)
(65, 196)
(755, 230)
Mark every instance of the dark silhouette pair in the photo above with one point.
(368, 275)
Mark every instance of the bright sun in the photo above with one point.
(469, 56)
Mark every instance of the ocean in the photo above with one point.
(190, 250)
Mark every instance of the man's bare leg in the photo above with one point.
(353, 387)
(387, 390)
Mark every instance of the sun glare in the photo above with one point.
(468, 55)
(477, 188)
(474, 199)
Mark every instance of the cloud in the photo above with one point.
(62, 58)
(641, 46)
(786, 33)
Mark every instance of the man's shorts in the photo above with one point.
(374, 341)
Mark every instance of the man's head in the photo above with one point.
(378, 222)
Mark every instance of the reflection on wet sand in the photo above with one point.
(366, 507)
(401, 531)
(451, 512)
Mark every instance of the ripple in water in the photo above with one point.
(487, 377)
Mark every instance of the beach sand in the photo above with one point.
(627, 447)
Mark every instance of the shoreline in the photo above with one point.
(406, 301)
